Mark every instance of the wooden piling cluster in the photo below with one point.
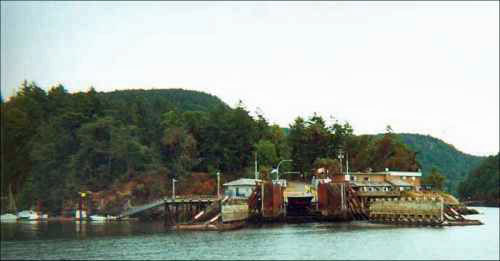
(185, 210)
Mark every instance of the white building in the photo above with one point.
(240, 188)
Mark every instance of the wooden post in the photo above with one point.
(80, 205)
(166, 213)
(176, 214)
(39, 208)
(441, 208)
(89, 205)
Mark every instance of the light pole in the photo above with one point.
(340, 156)
(173, 188)
(218, 184)
(278, 169)
(82, 195)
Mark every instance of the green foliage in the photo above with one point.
(482, 183)
(88, 140)
(308, 141)
(388, 151)
(55, 143)
(435, 179)
(179, 150)
(332, 166)
(266, 152)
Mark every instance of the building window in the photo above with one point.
(366, 178)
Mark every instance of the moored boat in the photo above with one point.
(8, 217)
(213, 227)
(28, 215)
(97, 218)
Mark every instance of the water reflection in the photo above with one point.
(81, 228)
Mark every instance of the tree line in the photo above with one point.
(483, 182)
(56, 143)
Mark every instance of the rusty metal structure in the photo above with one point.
(337, 201)
(272, 201)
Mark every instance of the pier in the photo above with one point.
(272, 202)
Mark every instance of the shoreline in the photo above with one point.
(68, 219)
(481, 204)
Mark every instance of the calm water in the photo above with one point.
(356, 240)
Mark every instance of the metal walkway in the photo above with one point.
(166, 200)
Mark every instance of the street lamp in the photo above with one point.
(278, 169)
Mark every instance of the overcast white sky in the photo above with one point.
(422, 67)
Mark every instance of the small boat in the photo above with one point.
(97, 218)
(211, 227)
(230, 225)
(8, 217)
(28, 215)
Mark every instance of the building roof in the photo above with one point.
(368, 173)
(405, 173)
(370, 184)
(242, 182)
(399, 183)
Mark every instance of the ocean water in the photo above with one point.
(347, 240)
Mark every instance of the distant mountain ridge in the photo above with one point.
(180, 99)
(449, 161)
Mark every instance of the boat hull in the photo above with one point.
(210, 227)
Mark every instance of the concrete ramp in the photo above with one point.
(138, 209)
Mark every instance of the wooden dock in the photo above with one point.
(169, 201)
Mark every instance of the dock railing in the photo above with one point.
(378, 193)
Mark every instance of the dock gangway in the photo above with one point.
(167, 201)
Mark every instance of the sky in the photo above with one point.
(421, 67)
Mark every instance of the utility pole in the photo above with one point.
(340, 156)
(218, 184)
(256, 172)
(347, 162)
(173, 188)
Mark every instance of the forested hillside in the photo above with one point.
(483, 182)
(446, 159)
(56, 144)
(163, 99)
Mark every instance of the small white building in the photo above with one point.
(240, 188)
